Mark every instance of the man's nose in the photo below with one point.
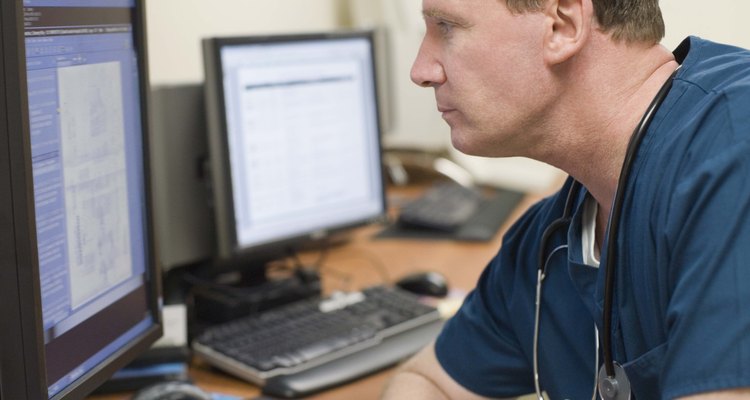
(426, 71)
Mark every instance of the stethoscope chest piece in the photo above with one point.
(613, 388)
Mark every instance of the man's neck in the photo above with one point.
(606, 105)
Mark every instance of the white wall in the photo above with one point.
(412, 117)
(718, 20)
(176, 27)
(415, 120)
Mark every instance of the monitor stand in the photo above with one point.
(214, 298)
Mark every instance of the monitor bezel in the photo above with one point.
(228, 249)
(22, 355)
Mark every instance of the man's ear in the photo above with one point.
(569, 26)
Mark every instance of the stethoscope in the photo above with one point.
(611, 381)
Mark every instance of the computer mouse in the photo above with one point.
(428, 283)
(171, 390)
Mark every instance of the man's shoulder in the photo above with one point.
(708, 111)
(715, 67)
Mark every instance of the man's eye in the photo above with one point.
(444, 27)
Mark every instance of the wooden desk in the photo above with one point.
(363, 261)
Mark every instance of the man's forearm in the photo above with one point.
(422, 377)
(412, 386)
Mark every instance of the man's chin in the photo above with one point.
(468, 147)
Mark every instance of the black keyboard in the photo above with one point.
(445, 206)
(307, 346)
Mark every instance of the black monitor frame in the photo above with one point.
(253, 258)
(22, 351)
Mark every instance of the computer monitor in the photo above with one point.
(294, 140)
(80, 293)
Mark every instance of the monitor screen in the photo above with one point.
(93, 292)
(294, 137)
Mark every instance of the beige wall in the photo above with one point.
(176, 27)
(718, 20)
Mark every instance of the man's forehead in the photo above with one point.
(455, 10)
(442, 13)
(458, 10)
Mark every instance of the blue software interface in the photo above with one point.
(87, 157)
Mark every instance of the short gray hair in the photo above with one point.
(635, 21)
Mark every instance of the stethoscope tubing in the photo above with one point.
(610, 271)
(541, 273)
(610, 264)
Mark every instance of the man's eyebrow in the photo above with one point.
(440, 14)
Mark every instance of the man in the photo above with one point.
(567, 82)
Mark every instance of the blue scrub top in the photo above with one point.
(681, 320)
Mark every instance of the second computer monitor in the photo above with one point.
(294, 138)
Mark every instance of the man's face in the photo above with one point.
(485, 65)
